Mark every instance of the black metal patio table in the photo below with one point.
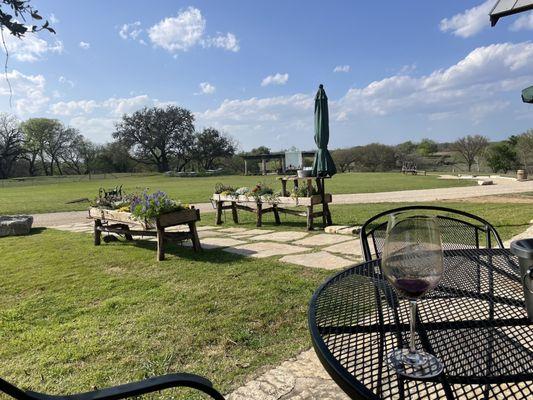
(475, 321)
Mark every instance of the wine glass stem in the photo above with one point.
(412, 323)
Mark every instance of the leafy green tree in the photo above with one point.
(343, 158)
(374, 157)
(80, 156)
(114, 157)
(14, 16)
(157, 136)
(524, 148)
(211, 145)
(427, 147)
(50, 138)
(501, 157)
(260, 150)
(10, 144)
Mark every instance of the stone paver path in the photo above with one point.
(351, 247)
(281, 236)
(266, 249)
(299, 378)
(322, 239)
(321, 259)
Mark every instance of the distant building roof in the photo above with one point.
(275, 155)
(504, 8)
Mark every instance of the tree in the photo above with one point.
(501, 157)
(374, 157)
(260, 150)
(470, 148)
(210, 145)
(524, 148)
(114, 157)
(50, 138)
(427, 147)
(343, 158)
(80, 155)
(10, 143)
(158, 135)
(14, 15)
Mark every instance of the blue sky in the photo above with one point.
(393, 71)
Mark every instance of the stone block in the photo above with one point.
(15, 225)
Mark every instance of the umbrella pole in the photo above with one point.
(326, 216)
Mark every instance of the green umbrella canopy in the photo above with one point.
(323, 166)
(527, 95)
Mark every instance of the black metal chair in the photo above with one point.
(459, 230)
(123, 391)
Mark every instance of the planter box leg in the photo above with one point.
(259, 215)
(276, 214)
(219, 213)
(234, 212)
(160, 244)
(328, 214)
(309, 218)
(194, 237)
(97, 232)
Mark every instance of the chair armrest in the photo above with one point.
(138, 388)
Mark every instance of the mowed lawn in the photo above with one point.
(74, 316)
(52, 194)
(509, 219)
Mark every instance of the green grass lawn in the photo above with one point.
(51, 194)
(509, 219)
(74, 316)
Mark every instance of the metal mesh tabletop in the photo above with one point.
(475, 321)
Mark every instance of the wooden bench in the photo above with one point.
(121, 222)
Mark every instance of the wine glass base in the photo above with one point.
(418, 365)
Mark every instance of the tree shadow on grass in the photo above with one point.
(212, 255)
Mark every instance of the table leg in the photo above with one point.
(160, 243)
(284, 188)
(234, 212)
(310, 218)
(97, 232)
(259, 214)
(276, 214)
(194, 237)
(219, 212)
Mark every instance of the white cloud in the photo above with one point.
(98, 129)
(30, 48)
(479, 78)
(130, 31)
(53, 19)
(187, 30)
(469, 22)
(28, 92)
(65, 81)
(179, 33)
(73, 107)
(524, 22)
(227, 42)
(84, 45)
(206, 88)
(125, 105)
(276, 79)
(342, 68)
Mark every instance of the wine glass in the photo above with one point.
(412, 263)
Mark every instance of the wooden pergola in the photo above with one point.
(276, 156)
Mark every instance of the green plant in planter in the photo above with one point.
(302, 192)
(225, 190)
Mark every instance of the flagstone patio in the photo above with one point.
(313, 250)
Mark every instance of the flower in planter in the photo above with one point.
(147, 206)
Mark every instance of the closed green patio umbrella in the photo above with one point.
(527, 95)
(323, 165)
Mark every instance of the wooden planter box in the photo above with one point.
(122, 221)
(265, 205)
